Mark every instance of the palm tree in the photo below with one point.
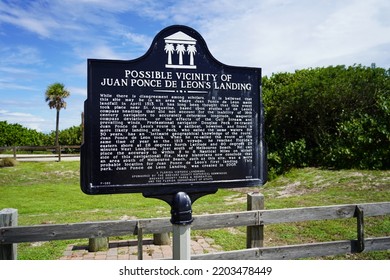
(55, 95)
(169, 48)
(191, 49)
(180, 49)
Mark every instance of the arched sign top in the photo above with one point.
(180, 40)
(174, 120)
(180, 44)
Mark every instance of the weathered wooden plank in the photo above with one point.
(251, 218)
(306, 214)
(360, 228)
(375, 209)
(246, 254)
(376, 244)
(8, 218)
(299, 251)
(41, 148)
(117, 228)
(98, 244)
(276, 216)
(255, 234)
(235, 219)
(155, 225)
(66, 231)
(161, 238)
(282, 252)
(322, 212)
(139, 242)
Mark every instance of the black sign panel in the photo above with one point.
(173, 120)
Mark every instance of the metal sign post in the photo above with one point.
(181, 220)
(181, 242)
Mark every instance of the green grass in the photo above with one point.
(49, 193)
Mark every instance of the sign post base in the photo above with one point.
(181, 242)
(181, 219)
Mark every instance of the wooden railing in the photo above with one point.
(55, 152)
(10, 235)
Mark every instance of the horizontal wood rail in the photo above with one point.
(55, 151)
(299, 251)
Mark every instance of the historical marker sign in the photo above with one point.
(173, 120)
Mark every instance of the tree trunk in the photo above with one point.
(57, 127)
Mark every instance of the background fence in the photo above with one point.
(254, 220)
(46, 152)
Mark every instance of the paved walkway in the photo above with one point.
(127, 250)
(41, 157)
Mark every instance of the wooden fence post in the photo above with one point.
(8, 218)
(255, 234)
(59, 153)
(161, 238)
(98, 244)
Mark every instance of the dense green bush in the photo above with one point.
(332, 117)
(17, 135)
(70, 136)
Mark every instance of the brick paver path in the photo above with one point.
(127, 250)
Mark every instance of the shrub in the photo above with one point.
(8, 162)
(17, 135)
(334, 117)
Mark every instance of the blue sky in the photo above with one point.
(42, 42)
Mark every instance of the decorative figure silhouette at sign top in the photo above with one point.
(181, 40)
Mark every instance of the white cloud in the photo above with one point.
(354, 27)
(79, 69)
(288, 35)
(103, 52)
(25, 119)
(78, 91)
(277, 35)
(139, 39)
(19, 55)
(30, 19)
(15, 85)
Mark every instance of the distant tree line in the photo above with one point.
(333, 117)
(17, 135)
